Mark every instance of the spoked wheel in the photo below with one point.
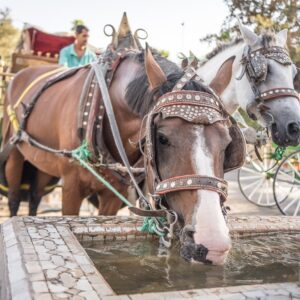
(255, 178)
(287, 182)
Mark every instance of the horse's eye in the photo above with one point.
(163, 140)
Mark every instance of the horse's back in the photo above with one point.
(23, 79)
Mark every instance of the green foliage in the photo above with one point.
(262, 14)
(9, 35)
(75, 23)
(164, 53)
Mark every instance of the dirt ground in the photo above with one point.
(51, 204)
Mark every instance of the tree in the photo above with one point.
(9, 35)
(75, 23)
(260, 14)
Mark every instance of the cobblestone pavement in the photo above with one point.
(41, 259)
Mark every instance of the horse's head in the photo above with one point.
(265, 85)
(190, 143)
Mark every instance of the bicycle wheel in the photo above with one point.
(255, 178)
(287, 181)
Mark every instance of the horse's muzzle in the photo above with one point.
(189, 250)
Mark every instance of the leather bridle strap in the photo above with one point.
(277, 93)
(193, 182)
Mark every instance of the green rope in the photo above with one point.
(149, 225)
(278, 153)
(82, 154)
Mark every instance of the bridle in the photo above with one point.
(255, 66)
(194, 107)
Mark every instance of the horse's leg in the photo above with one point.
(72, 194)
(37, 191)
(13, 173)
(109, 203)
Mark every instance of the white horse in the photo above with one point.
(260, 80)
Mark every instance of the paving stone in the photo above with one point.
(71, 265)
(19, 287)
(56, 288)
(103, 289)
(62, 248)
(148, 296)
(40, 248)
(36, 276)
(43, 232)
(22, 296)
(58, 240)
(40, 287)
(11, 242)
(50, 245)
(44, 256)
(33, 267)
(15, 272)
(29, 250)
(30, 257)
(258, 294)
(82, 259)
(43, 296)
(67, 280)
(192, 293)
(276, 297)
(89, 295)
(281, 292)
(88, 269)
(76, 273)
(78, 297)
(233, 296)
(83, 285)
(52, 274)
(58, 260)
(46, 265)
(61, 296)
(117, 297)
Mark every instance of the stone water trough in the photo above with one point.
(42, 258)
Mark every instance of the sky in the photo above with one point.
(172, 25)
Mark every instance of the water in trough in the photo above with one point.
(143, 266)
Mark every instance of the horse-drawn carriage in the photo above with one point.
(35, 48)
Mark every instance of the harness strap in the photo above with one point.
(34, 82)
(99, 70)
(277, 93)
(193, 182)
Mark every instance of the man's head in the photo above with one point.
(82, 35)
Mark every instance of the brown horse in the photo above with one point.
(180, 147)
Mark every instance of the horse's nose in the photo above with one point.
(293, 130)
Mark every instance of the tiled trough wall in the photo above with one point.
(41, 259)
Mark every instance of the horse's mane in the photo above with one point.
(140, 99)
(267, 38)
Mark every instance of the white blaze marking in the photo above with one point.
(210, 227)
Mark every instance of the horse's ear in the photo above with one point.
(223, 77)
(194, 60)
(248, 35)
(282, 37)
(155, 74)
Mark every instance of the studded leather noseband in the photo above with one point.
(195, 107)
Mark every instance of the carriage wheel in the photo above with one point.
(287, 181)
(255, 178)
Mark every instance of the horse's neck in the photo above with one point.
(128, 122)
(209, 70)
